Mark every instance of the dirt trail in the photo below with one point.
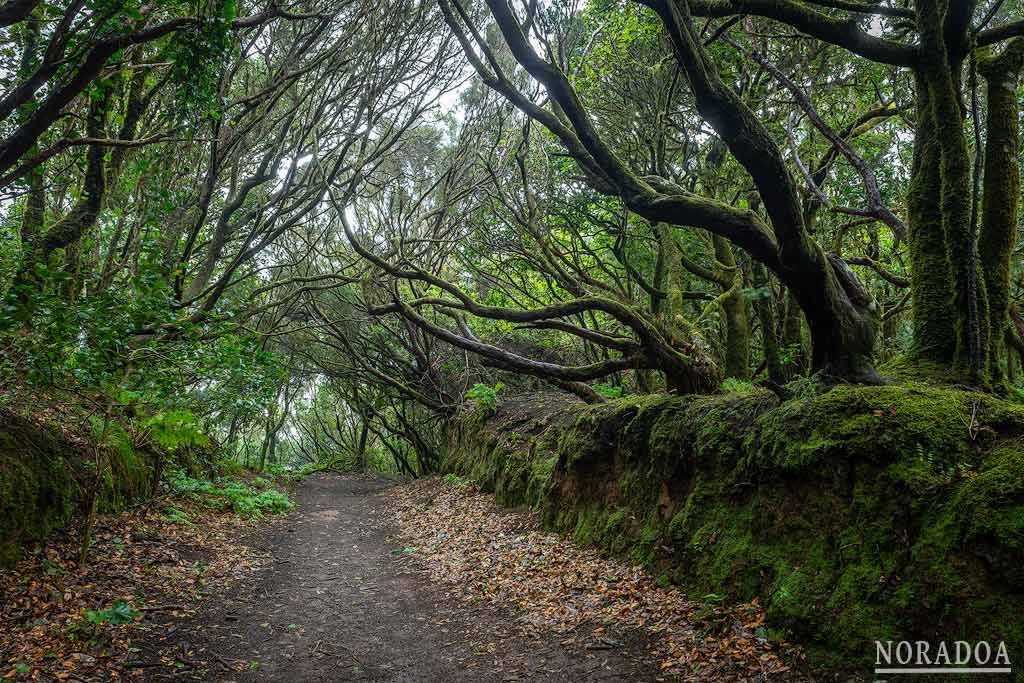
(336, 605)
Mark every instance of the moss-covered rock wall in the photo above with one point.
(43, 474)
(861, 514)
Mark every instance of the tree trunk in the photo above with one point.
(960, 271)
(361, 448)
(1001, 194)
(933, 337)
(699, 374)
(769, 334)
(950, 318)
(794, 361)
(843, 323)
(734, 313)
(35, 203)
(85, 211)
(72, 281)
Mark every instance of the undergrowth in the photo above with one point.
(252, 499)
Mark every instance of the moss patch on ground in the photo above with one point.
(858, 514)
(43, 474)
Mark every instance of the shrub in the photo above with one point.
(485, 397)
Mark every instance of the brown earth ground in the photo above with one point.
(339, 601)
(364, 580)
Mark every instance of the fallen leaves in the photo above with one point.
(459, 538)
(60, 622)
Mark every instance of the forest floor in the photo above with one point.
(369, 581)
(339, 602)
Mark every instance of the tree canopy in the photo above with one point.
(319, 227)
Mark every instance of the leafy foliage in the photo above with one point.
(608, 390)
(198, 51)
(119, 613)
(231, 494)
(485, 397)
(176, 429)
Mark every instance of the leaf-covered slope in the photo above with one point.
(860, 514)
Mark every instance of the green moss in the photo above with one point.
(588, 526)
(42, 477)
(990, 503)
(879, 424)
(38, 493)
(855, 514)
(541, 470)
(909, 370)
(615, 522)
(644, 550)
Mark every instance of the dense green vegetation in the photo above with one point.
(314, 228)
(315, 234)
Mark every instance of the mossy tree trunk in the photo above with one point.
(699, 374)
(727, 275)
(34, 212)
(68, 231)
(734, 312)
(1001, 194)
(960, 269)
(769, 333)
(361, 460)
(843, 323)
(794, 348)
(931, 291)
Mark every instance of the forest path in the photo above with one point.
(335, 604)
